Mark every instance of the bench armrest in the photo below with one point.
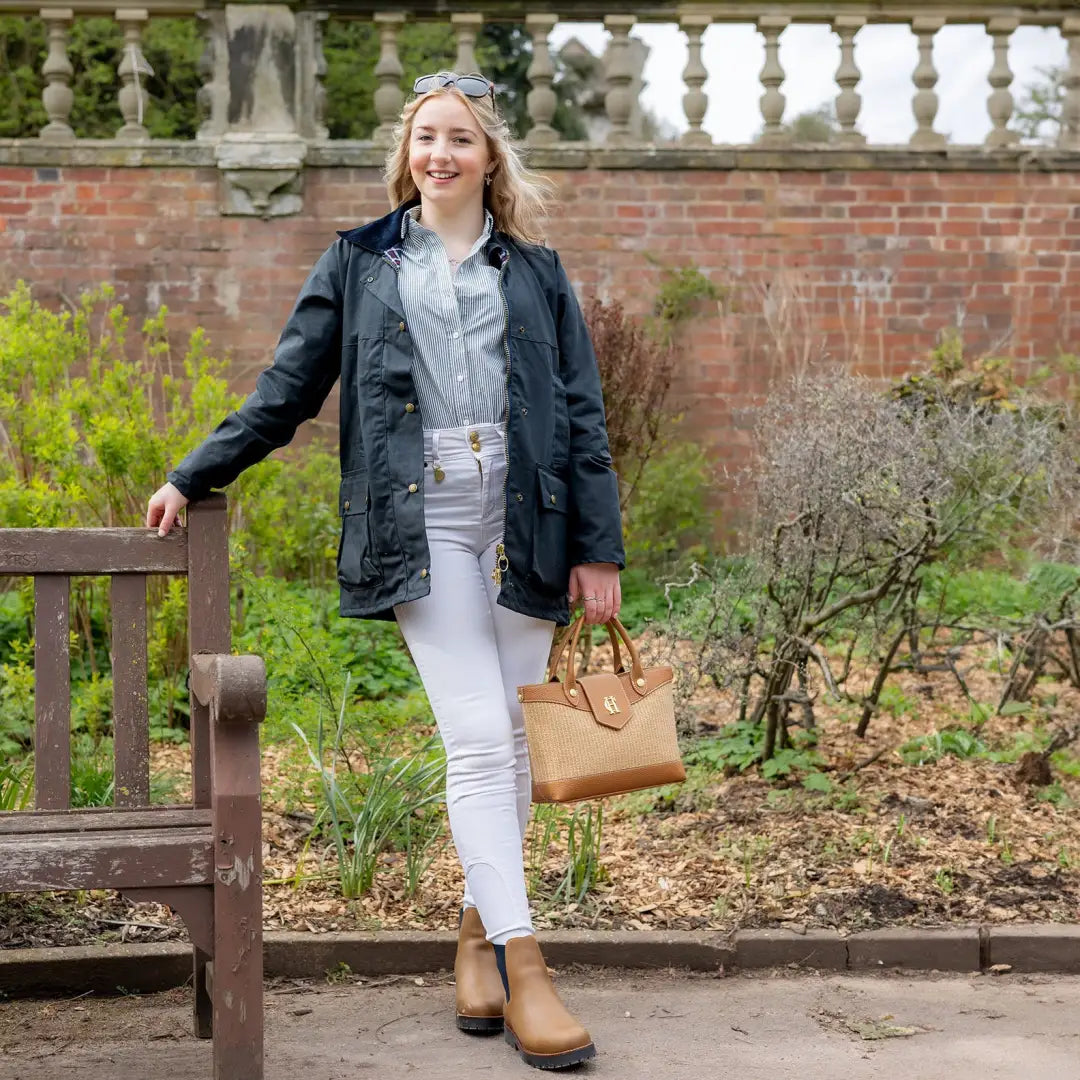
(233, 687)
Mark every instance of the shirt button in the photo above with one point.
(410, 407)
(455, 334)
(401, 326)
(461, 378)
(412, 487)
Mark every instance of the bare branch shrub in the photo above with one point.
(856, 494)
(636, 371)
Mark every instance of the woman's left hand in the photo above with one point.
(597, 585)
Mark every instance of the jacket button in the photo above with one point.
(401, 326)
(524, 411)
(521, 329)
(412, 487)
(346, 504)
(410, 407)
(423, 573)
(520, 496)
(552, 498)
(370, 280)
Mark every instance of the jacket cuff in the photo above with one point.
(185, 486)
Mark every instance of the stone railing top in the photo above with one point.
(1030, 12)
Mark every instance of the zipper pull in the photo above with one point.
(502, 564)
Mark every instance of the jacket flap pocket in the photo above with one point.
(353, 497)
(535, 332)
(554, 493)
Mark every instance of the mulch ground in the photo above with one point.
(955, 841)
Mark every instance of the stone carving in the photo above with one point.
(262, 150)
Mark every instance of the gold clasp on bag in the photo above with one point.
(611, 704)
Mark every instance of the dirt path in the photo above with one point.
(678, 1026)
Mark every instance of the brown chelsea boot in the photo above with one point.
(538, 1025)
(479, 993)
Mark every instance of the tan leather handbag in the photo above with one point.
(602, 734)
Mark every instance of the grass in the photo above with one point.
(390, 804)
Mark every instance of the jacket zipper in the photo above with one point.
(502, 564)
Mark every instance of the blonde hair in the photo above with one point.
(517, 197)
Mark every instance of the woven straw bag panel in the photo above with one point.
(566, 743)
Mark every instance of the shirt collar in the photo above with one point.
(410, 225)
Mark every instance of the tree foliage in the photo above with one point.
(1038, 114)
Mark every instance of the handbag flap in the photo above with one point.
(607, 698)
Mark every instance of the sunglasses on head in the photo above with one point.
(472, 85)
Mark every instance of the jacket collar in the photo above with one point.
(384, 235)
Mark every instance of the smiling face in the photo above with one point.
(448, 153)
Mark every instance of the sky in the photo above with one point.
(734, 53)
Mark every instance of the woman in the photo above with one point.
(477, 491)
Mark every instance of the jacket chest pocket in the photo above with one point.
(535, 344)
(358, 565)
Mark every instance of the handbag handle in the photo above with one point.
(557, 659)
(614, 628)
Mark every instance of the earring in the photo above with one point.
(487, 179)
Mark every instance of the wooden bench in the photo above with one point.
(203, 859)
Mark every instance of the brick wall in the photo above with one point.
(862, 268)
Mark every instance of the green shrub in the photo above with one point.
(93, 420)
(668, 516)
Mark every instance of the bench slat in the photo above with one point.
(52, 704)
(131, 723)
(92, 551)
(106, 860)
(24, 822)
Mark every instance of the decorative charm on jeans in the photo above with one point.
(617, 735)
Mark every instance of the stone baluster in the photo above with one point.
(466, 26)
(212, 97)
(848, 101)
(695, 100)
(57, 96)
(318, 92)
(619, 74)
(925, 103)
(1000, 103)
(541, 101)
(772, 77)
(133, 71)
(1069, 136)
(389, 98)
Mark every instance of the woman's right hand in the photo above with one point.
(163, 507)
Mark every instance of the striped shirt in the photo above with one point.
(456, 321)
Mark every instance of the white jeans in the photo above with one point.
(472, 655)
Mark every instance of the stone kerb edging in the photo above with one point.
(145, 968)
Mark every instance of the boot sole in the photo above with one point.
(550, 1061)
(480, 1024)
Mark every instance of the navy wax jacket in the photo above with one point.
(562, 498)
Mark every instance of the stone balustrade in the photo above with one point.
(771, 20)
(263, 102)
